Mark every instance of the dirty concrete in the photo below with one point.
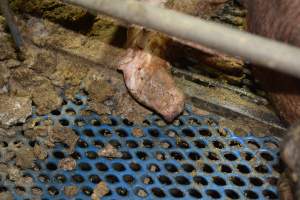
(49, 134)
(70, 191)
(137, 132)
(6, 47)
(54, 10)
(42, 92)
(202, 8)
(14, 173)
(6, 196)
(110, 151)
(14, 110)
(61, 134)
(99, 191)
(39, 152)
(67, 164)
(7, 132)
(25, 157)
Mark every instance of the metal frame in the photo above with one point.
(268, 53)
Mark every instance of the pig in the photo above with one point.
(290, 154)
(279, 20)
(149, 81)
(145, 66)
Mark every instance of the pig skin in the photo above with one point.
(279, 20)
(290, 154)
(150, 83)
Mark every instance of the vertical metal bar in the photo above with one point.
(11, 24)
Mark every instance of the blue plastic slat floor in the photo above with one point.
(190, 159)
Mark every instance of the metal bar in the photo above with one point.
(11, 24)
(268, 53)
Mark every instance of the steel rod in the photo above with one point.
(262, 51)
(11, 24)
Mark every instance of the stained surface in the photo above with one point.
(192, 158)
(187, 163)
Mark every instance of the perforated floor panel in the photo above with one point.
(190, 159)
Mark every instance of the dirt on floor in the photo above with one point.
(51, 74)
(46, 79)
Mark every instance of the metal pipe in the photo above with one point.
(262, 51)
(11, 24)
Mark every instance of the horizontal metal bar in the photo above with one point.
(268, 53)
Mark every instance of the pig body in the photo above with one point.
(290, 154)
(279, 20)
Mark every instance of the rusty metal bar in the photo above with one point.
(268, 53)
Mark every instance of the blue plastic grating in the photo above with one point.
(191, 159)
